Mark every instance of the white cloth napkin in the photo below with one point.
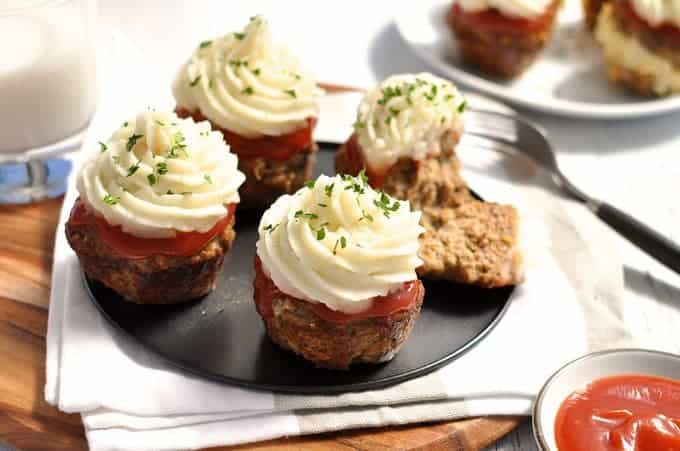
(131, 400)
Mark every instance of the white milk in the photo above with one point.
(47, 75)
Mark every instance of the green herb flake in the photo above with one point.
(462, 107)
(321, 234)
(169, 192)
(162, 168)
(270, 228)
(328, 189)
(322, 205)
(132, 140)
(160, 123)
(195, 81)
(125, 124)
(116, 159)
(309, 184)
(207, 178)
(248, 91)
(111, 200)
(211, 83)
(132, 169)
(152, 179)
(239, 36)
(102, 146)
(291, 92)
(343, 242)
(205, 44)
(257, 71)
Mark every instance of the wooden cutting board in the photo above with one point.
(29, 423)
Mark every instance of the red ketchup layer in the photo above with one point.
(620, 413)
(663, 31)
(271, 147)
(265, 292)
(493, 20)
(132, 247)
(357, 161)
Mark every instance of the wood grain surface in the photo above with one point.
(27, 422)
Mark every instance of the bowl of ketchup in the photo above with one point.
(618, 400)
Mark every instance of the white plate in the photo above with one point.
(577, 374)
(566, 79)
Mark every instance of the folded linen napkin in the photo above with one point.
(129, 399)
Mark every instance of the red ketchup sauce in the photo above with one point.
(132, 247)
(357, 161)
(492, 19)
(272, 147)
(664, 30)
(621, 413)
(265, 292)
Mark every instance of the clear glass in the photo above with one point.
(48, 92)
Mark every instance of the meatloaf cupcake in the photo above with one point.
(502, 37)
(264, 103)
(335, 272)
(641, 44)
(155, 215)
(405, 137)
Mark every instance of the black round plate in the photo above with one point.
(221, 336)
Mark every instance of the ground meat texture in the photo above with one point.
(434, 181)
(650, 38)
(476, 243)
(503, 53)
(267, 179)
(294, 326)
(158, 279)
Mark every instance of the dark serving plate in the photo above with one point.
(221, 337)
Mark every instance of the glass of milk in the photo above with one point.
(47, 92)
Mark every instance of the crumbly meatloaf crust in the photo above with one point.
(640, 82)
(476, 243)
(657, 43)
(432, 181)
(505, 54)
(296, 327)
(267, 179)
(591, 9)
(158, 279)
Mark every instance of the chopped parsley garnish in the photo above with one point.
(195, 81)
(462, 106)
(102, 146)
(210, 83)
(322, 205)
(116, 159)
(239, 36)
(125, 124)
(448, 97)
(321, 234)
(160, 123)
(384, 204)
(297, 76)
(291, 92)
(169, 192)
(111, 200)
(248, 91)
(343, 244)
(132, 169)
(301, 214)
(152, 179)
(270, 228)
(309, 184)
(162, 168)
(388, 93)
(238, 63)
(433, 93)
(328, 189)
(205, 44)
(256, 71)
(132, 140)
(207, 178)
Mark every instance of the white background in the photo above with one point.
(635, 164)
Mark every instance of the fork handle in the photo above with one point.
(648, 240)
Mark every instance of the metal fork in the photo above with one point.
(529, 139)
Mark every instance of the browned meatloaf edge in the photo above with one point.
(505, 54)
(296, 327)
(267, 179)
(158, 279)
(435, 181)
